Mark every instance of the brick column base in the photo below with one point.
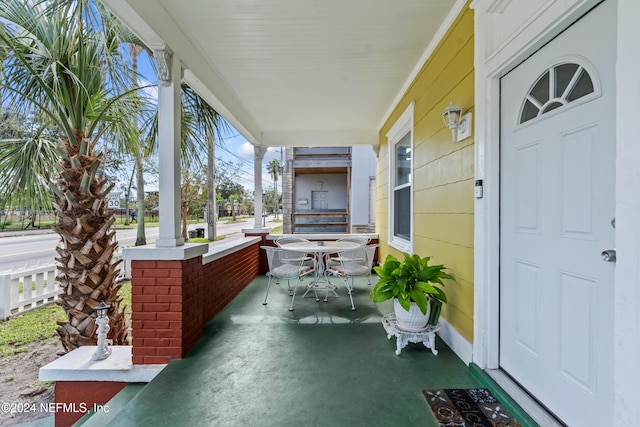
(166, 299)
(73, 399)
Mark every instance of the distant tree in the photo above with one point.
(275, 169)
(151, 201)
(226, 191)
(234, 202)
(28, 156)
(192, 185)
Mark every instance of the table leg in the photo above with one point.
(321, 275)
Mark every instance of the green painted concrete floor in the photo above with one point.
(320, 365)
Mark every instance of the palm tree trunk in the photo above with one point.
(127, 198)
(275, 191)
(211, 189)
(87, 273)
(141, 239)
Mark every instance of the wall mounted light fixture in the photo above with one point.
(459, 124)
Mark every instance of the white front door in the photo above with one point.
(557, 159)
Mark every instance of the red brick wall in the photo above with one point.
(192, 304)
(77, 396)
(225, 278)
(172, 300)
(264, 265)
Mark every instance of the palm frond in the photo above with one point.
(26, 171)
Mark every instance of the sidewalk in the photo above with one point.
(14, 233)
(269, 224)
(232, 235)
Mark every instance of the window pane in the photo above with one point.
(402, 213)
(552, 106)
(403, 161)
(541, 90)
(564, 74)
(529, 112)
(582, 88)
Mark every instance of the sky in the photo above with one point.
(235, 148)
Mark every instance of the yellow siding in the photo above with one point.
(443, 171)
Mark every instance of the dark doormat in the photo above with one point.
(468, 407)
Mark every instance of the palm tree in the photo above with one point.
(61, 58)
(27, 155)
(203, 122)
(274, 169)
(200, 125)
(137, 152)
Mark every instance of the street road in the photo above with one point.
(31, 249)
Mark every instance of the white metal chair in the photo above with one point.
(307, 259)
(281, 266)
(360, 240)
(352, 263)
(290, 239)
(355, 262)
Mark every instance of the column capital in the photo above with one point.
(259, 151)
(163, 60)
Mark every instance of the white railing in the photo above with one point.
(39, 287)
(124, 267)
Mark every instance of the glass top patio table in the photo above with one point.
(321, 250)
(320, 247)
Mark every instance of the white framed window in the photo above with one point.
(560, 86)
(400, 138)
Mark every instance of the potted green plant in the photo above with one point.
(412, 285)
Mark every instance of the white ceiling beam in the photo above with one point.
(320, 138)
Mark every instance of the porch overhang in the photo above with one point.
(295, 73)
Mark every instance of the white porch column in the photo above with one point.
(259, 152)
(169, 77)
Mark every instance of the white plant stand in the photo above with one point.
(426, 336)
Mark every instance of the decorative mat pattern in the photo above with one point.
(468, 407)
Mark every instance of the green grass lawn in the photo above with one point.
(204, 239)
(276, 230)
(35, 325)
(40, 324)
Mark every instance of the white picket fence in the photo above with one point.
(39, 287)
(14, 300)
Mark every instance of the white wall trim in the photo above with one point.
(401, 127)
(455, 341)
(153, 253)
(227, 248)
(437, 38)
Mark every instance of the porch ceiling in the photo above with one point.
(295, 72)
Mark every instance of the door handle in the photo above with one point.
(609, 255)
